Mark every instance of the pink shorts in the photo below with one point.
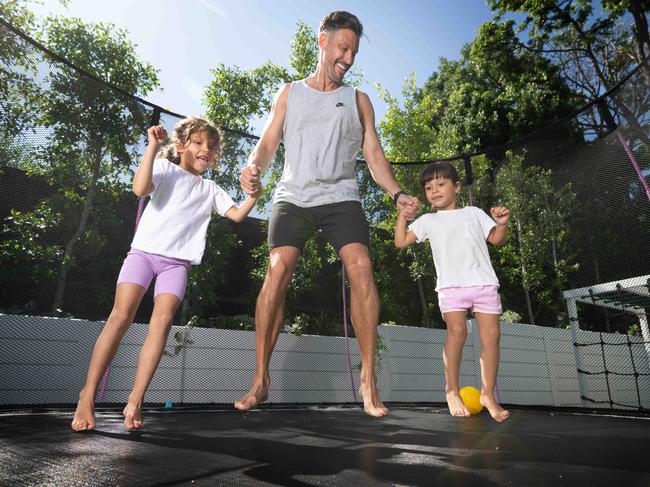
(141, 267)
(480, 299)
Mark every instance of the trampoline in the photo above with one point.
(413, 446)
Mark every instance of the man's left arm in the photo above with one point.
(379, 167)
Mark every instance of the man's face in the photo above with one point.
(338, 50)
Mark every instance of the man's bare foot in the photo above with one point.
(133, 416)
(372, 405)
(496, 411)
(84, 416)
(456, 405)
(255, 396)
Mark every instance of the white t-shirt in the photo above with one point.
(460, 252)
(175, 221)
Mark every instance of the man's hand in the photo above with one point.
(250, 179)
(408, 206)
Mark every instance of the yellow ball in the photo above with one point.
(471, 398)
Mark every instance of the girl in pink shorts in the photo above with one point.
(466, 279)
(170, 237)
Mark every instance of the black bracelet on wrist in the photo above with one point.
(396, 195)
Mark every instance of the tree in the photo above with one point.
(233, 99)
(537, 256)
(304, 51)
(496, 93)
(92, 131)
(26, 256)
(18, 92)
(593, 50)
(205, 281)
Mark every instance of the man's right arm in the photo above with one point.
(261, 156)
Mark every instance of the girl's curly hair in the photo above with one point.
(184, 130)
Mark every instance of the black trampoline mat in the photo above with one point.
(325, 446)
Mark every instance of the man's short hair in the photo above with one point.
(341, 20)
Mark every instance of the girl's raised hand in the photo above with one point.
(500, 214)
(156, 135)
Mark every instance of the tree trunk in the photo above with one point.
(524, 278)
(640, 28)
(642, 37)
(554, 251)
(627, 113)
(57, 305)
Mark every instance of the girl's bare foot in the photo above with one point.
(84, 416)
(255, 396)
(133, 416)
(456, 405)
(372, 405)
(496, 411)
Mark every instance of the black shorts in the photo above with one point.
(341, 223)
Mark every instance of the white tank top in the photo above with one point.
(322, 138)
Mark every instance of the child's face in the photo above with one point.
(441, 193)
(197, 154)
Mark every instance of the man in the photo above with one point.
(323, 123)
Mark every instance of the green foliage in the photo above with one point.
(397, 274)
(18, 92)
(321, 323)
(206, 282)
(181, 337)
(93, 132)
(537, 256)
(315, 256)
(298, 324)
(19, 16)
(89, 144)
(509, 316)
(594, 49)
(304, 51)
(495, 93)
(634, 330)
(233, 99)
(25, 254)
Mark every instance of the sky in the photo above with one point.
(186, 39)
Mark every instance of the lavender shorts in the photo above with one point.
(141, 267)
(481, 299)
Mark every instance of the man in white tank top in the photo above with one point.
(324, 123)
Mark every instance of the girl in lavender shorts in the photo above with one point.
(170, 237)
(466, 279)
